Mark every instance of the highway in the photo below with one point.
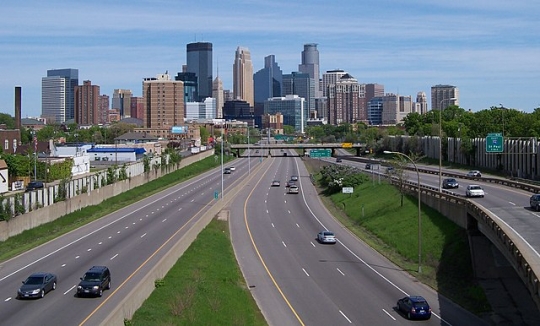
(128, 241)
(298, 281)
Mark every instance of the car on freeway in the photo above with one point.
(450, 183)
(227, 171)
(293, 189)
(290, 183)
(276, 183)
(94, 281)
(232, 168)
(474, 191)
(474, 174)
(338, 160)
(534, 201)
(368, 166)
(414, 307)
(326, 237)
(37, 285)
(294, 178)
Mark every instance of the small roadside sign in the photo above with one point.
(347, 190)
(216, 194)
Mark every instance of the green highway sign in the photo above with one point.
(315, 153)
(494, 143)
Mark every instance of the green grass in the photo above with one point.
(374, 213)
(204, 287)
(36, 236)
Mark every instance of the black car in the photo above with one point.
(37, 285)
(450, 183)
(414, 307)
(94, 281)
(33, 185)
(368, 166)
(227, 171)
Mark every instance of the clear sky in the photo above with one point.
(489, 49)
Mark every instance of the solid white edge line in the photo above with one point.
(389, 315)
(344, 316)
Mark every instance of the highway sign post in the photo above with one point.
(317, 153)
(494, 143)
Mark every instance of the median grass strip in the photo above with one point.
(204, 287)
(374, 213)
(36, 236)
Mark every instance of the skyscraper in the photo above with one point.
(87, 104)
(267, 81)
(243, 76)
(421, 106)
(344, 101)
(103, 109)
(121, 101)
(199, 61)
(331, 77)
(163, 103)
(310, 65)
(217, 93)
(58, 94)
(300, 84)
(441, 95)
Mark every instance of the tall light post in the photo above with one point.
(419, 208)
(440, 139)
(249, 155)
(34, 139)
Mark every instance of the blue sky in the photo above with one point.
(489, 49)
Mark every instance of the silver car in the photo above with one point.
(474, 191)
(326, 237)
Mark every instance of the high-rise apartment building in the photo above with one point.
(267, 81)
(121, 101)
(293, 109)
(343, 101)
(243, 76)
(310, 65)
(441, 96)
(137, 107)
(301, 84)
(87, 104)
(421, 105)
(163, 104)
(58, 94)
(331, 77)
(103, 109)
(199, 62)
(217, 93)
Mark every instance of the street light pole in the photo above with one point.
(419, 208)
(440, 139)
(34, 139)
(249, 155)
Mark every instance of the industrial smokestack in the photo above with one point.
(18, 91)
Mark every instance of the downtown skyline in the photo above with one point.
(488, 49)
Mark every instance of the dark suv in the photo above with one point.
(33, 185)
(94, 281)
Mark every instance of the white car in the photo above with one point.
(232, 168)
(293, 189)
(474, 191)
(326, 237)
(474, 174)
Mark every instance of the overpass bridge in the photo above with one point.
(266, 149)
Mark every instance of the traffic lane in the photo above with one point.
(124, 252)
(262, 287)
(384, 268)
(312, 305)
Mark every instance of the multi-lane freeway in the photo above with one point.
(128, 241)
(298, 281)
(294, 279)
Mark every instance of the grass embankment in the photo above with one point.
(34, 237)
(204, 287)
(374, 213)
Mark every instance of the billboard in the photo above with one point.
(179, 129)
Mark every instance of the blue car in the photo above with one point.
(414, 307)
